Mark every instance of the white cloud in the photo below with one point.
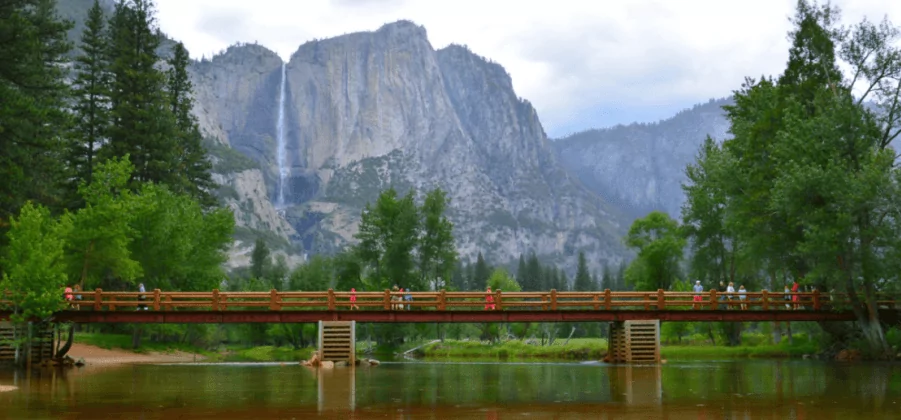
(572, 59)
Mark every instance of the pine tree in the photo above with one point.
(583, 281)
(534, 277)
(259, 259)
(91, 97)
(521, 272)
(481, 273)
(142, 125)
(33, 94)
(192, 166)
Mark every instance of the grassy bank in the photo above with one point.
(774, 351)
(270, 354)
(596, 349)
(576, 349)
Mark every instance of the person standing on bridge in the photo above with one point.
(408, 298)
(730, 291)
(489, 299)
(68, 295)
(742, 295)
(353, 299)
(795, 297)
(141, 297)
(698, 289)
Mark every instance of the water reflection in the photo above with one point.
(689, 390)
(337, 390)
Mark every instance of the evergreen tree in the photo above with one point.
(91, 97)
(191, 162)
(33, 94)
(481, 272)
(583, 281)
(259, 259)
(607, 280)
(142, 125)
(534, 280)
(521, 272)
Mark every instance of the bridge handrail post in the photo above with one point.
(608, 303)
(442, 300)
(331, 299)
(647, 301)
(275, 304)
(816, 300)
(156, 299)
(98, 299)
(712, 299)
(596, 300)
(497, 300)
(387, 299)
(661, 300)
(215, 305)
(766, 299)
(553, 299)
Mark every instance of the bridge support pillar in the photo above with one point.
(42, 343)
(634, 342)
(337, 341)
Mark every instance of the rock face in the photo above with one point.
(367, 111)
(641, 167)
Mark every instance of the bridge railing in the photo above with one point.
(99, 300)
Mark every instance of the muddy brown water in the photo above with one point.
(744, 389)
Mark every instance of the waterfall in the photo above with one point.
(280, 142)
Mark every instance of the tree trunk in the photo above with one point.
(777, 332)
(788, 332)
(136, 337)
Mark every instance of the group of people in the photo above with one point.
(72, 295)
(727, 293)
(404, 296)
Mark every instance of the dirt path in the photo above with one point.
(93, 355)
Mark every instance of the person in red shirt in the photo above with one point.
(353, 299)
(795, 298)
(69, 295)
(489, 300)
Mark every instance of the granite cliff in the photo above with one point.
(641, 167)
(365, 111)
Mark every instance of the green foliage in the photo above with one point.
(259, 259)
(33, 117)
(660, 245)
(34, 272)
(228, 160)
(97, 246)
(807, 189)
(575, 349)
(179, 245)
(583, 282)
(480, 274)
(503, 281)
(397, 236)
(92, 94)
(437, 253)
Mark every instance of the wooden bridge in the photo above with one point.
(388, 307)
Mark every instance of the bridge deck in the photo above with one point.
(551, 306)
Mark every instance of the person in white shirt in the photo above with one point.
(742, 295)
(698, 289)
(729, 292)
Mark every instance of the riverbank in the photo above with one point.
(93, 356)
(596, 349)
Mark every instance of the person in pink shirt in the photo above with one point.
(353, 299)
(489, 300)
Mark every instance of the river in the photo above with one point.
(743, 389)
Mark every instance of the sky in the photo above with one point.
(582, 64)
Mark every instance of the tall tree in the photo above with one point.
(660, 246)
(388, 236)
(259, 259)
(33, 117)
(480, 273)
(35, 272)
(190, 160)
(583, 282)
(142, 125)
(91, 92)
(437, 253)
